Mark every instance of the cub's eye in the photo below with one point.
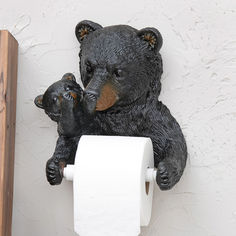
(118, 72)
(54, 99)
(68, 88)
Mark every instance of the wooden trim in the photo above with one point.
(8, 83)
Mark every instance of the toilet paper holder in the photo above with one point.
(68, 173)
(151, 173)
(121, 97)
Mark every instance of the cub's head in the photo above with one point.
(118, 64)
(51, 100)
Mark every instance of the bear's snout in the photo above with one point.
(101, 101)
(108, 97)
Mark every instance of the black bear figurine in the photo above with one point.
(121, 69)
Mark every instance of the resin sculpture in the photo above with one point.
(120, 69)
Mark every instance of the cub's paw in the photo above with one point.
(166, 176)
(69, 96)
(69, 100)
(54, 171)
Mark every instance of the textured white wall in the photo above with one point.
(199, 87)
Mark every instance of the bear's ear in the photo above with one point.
(69, 76)
(152, 36)
(84, 28)
(38, 101)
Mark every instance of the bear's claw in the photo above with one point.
(166, 176)
(53, 171)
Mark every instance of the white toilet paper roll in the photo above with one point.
(111, 195)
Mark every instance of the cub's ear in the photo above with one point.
(84, 28)
(152, 36)
(38, 101)
(69, 76)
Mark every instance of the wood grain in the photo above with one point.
(8, 83)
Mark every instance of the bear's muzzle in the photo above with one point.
(100, 101)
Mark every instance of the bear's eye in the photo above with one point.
(54, 99)
(89, 68)
(118, 73)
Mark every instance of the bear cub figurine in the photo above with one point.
(62, 103)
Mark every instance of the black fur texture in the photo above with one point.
(120, 69)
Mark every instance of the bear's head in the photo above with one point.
(118, 64)
(51, 100)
